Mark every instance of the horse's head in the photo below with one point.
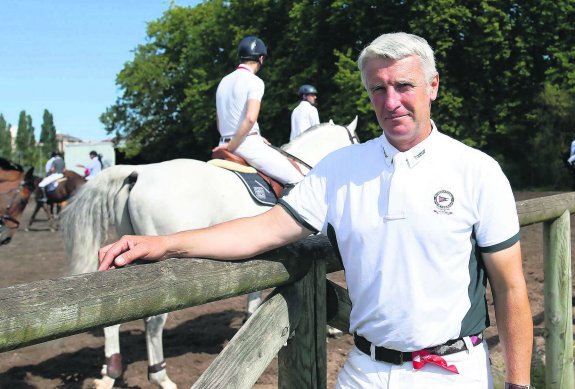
(14, 195)
(320, 140)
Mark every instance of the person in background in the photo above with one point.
(571, 159)
(93, 167)
(54, 171)
(48, 166)
(420, 221)
(305, 115)
(238, 101)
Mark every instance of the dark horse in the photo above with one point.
(15, 190)
(67, 187)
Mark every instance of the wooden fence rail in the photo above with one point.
(40, 311)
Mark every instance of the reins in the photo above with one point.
(285, 153)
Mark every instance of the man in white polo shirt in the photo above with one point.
(238, 101)
(305, 115)
(420, 221)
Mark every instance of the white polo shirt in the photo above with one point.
(234, 90)
(303, 117)
(410, 261)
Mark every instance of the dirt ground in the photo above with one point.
(192, 338)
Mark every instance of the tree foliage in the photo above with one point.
(507, 74)
(25, 153)
(5, 139)
(48, 134)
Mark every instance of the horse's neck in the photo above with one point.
(313, 147)
(12, 175)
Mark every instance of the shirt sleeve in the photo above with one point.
(498, 225)
(314, 117)
(257, 89)
(307, 201)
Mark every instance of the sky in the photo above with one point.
(64, 55)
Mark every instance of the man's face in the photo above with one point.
(400, 99)
(311, 99)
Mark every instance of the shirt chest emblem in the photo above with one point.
(443, 200)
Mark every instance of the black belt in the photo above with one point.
(398, 357)
(226, 139)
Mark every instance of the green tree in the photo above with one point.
(48, 134)
(5, 139)
(25, 142)
(495, 58)
(166, 109)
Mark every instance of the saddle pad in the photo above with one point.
(258, 188)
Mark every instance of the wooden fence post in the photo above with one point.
(558, 303)
(303, 362)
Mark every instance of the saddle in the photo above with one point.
(225, 155)
(53, 185)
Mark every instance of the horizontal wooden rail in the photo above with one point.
(44, 310)
(545, 208)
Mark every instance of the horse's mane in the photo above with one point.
(7, 165)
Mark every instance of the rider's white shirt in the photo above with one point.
(232, 94)
(303, 117)
(94, 167)
(410, 261)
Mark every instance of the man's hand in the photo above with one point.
(223, 146)
(130, 248)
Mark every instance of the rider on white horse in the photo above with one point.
(238, 101)
(305, 115)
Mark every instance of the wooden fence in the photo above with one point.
(291, 321)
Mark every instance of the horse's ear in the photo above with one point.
(353, 125)
(30, 174)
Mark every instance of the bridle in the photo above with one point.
(353, 139)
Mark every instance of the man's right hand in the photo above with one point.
(130, 248)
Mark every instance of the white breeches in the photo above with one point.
(269, 161)
(50, 179)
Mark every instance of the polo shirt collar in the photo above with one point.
(245, 67)
(413, 155)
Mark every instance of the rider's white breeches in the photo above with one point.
(50, 179)
(269, 161)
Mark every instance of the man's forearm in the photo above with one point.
(515, 328)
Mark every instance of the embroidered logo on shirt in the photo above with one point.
(443, 201)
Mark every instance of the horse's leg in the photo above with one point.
(254, 300)
(112, 367)
(156, 365)
(33, 217)
(48, 210)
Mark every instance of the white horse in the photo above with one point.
(168, 197)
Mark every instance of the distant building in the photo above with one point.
(78, 153)
(64, 140)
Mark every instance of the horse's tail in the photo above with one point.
(97, 214)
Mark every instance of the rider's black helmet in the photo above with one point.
(306, 90)
(251, 48)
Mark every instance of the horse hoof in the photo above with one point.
(104, 383)
(161, 380)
